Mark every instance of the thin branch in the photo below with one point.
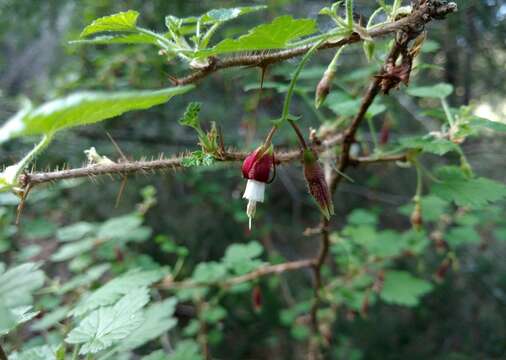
(123, 168)
(418, 18)
(256, 274)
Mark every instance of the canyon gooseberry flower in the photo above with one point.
(316, 183)
(256, 168)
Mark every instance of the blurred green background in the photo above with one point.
(201, 209)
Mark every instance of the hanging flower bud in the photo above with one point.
(323, 88)
(316, 183)
(416, 216)
(384, 133)
(256, 298)
(256, 168)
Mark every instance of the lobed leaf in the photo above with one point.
(440, 90)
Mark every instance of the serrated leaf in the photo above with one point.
(118, 39)
(107, 325)
(158, 319)
(465, 191)
(274, 35)
(18, 283)
(429, 144)
(122, 21)
(75, 231)
(432, 206)
(440, 90)
(82, 109)
(191, 116)
(402, 288)
(362, 217)
(156, 355)
(226, 14)
(114, 289)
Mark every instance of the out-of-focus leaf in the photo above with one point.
(51, 319)
(440, 90)
(462, 235)
(226, 14)
(465, 191)
(18, 283)
(82, 109)
(92, 274)
(73, 249)
(208, 272)
(75, 231)
(122, 21)
(429, 144)
(44, 352)
(118, 39)
(186, 350)
(402, 288)
(114, 289)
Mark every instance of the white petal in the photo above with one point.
(254, 191)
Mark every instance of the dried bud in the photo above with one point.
(416, 216)
(323, 88)
(256, 298)
(443, 269)
(316, 183)
(256, 168)
(384, 133)
(396, 74)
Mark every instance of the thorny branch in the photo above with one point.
(423, 12)
(146, 166)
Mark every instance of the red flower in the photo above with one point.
(257, 165)
(256, 168)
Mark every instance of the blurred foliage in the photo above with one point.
(77, 266)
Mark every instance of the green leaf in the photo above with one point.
(120, 228)
(433, 208)
(362, 217)
(480, 123)
(18, 283)
(158, 319)
(462, 235)
(240, 258)
(114, 289)
(402, 288)
(274, 35)
(430, 46)
(73, 249)
(191, 116)
(93, 274)
(82, 109)
(118, 39)
(440, 90)
(51, 319)
(465, 191)
(75, 231)
(429, 144)
(209, 272)
(107, 325)
(186, 350)
(198, 158)
(10, 318)
(44, 352)
(226, 14)
(122, 21)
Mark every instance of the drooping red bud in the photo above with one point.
(256, 298)
(384, 133)
(257, 165)
(316, 183)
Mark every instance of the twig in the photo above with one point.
(3, 356)
(258, 273)
(418, 18)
